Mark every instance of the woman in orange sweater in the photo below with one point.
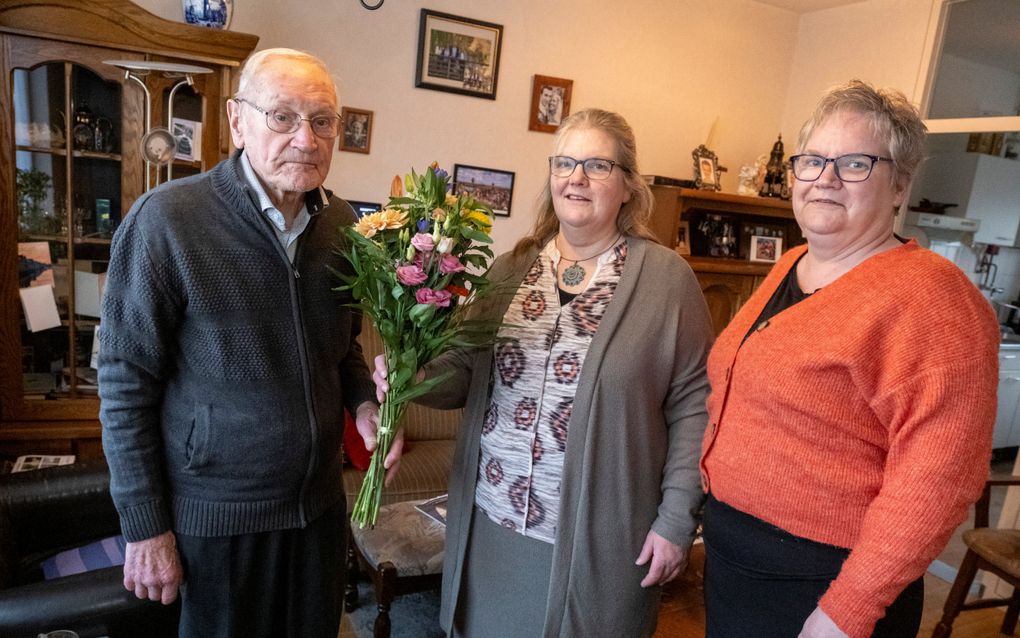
(852, 400)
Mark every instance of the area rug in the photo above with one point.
(411, 616)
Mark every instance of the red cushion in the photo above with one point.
(354, 445)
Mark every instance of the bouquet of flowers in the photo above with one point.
(411, 280)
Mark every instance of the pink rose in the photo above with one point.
(439, 298)
(449, 264)
(423, 242)
(411, 275)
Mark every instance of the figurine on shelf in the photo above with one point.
(775, 176)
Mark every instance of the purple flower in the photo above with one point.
(423, 225)
(439, 298)
(449, 264)
(411, 275)
(423, 242)
(440, 173)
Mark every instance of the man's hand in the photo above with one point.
(668, 560)
(819, 625)
(152, 568)
(367, 421)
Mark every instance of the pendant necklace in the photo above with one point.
(574, 274)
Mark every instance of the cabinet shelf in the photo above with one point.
(48, 150)
(113, 157)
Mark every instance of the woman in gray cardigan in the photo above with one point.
(575, 483)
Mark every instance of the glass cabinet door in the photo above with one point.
(68, 131)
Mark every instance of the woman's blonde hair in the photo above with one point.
(893, 119)
(634, 214)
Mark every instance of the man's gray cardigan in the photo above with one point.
(224, 368)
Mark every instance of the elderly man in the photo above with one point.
(226, 362)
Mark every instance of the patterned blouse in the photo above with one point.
(539, 356)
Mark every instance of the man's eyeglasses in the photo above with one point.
(593, 167)
(326, 125)
(855, 167)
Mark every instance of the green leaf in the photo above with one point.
(475, 235)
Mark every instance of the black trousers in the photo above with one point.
(272, 584)
(763, 581)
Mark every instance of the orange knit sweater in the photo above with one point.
(860, 417)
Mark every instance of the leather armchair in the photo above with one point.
(43, 512)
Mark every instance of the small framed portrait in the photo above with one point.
(550, 103)
(683, 239)
(159, 146)
(357, 134)
(766, 249)
(706, 169)
(458, 55)
(488, 185)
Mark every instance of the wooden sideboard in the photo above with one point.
(726, 282)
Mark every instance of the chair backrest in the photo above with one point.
(420, 423)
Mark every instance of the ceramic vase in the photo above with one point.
(208, 13)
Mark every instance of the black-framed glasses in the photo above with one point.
(855, 167)
(593, 167)
(325, 125)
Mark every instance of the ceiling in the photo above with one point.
(807, 6)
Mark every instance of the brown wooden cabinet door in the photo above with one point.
(724, 294)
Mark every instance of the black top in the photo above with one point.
(787, 294)
(566, 297)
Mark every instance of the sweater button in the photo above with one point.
(761, 326)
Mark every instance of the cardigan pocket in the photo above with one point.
(196, 449)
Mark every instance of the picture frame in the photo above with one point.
(766, 249)
(706, 169)
(356, 136)
(683, 239)
(188, 135)
(550, 103)
(489, 185)
(458, 55)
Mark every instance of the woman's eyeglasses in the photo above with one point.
(593, 167)
(855, 167)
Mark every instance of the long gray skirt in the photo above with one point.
(505, 585)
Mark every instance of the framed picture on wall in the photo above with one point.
(357, 133)
(550, 103)
(494, 187)
(458, 55)
(767, 249)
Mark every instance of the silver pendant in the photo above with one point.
(573, 275)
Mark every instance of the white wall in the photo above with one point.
(670, 67)
(884, 42)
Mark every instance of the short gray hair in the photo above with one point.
(894, 120)
(250, 78)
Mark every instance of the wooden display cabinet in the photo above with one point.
(726, 282)
(70, 168)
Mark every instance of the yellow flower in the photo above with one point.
(451, 200)
(479, 219)
(370, 224)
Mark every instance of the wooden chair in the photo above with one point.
(993, 550)
(403, 553)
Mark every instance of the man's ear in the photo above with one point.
(234, 121)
